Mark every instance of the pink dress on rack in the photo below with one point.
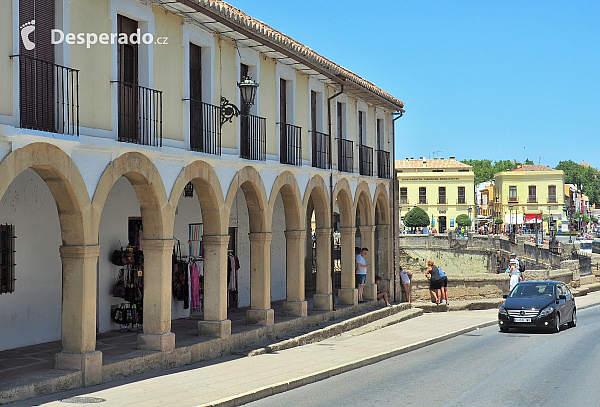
(194, 286)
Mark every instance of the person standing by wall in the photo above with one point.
(435, 281)
(444, 289)
(361, 272)
(405, 279)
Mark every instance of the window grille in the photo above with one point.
(7, 258)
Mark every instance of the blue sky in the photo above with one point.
(479, 79)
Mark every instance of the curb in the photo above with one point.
(281, 387)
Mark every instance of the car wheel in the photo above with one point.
(573, 322)
(556, 328)
(504, 328)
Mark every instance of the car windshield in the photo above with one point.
(533, 291)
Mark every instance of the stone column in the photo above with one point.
(260, 312)
(348, 294)
(157, 296)
(295, 304)
(215, 321)
(79, 292)
(323, 299)
(367, 235)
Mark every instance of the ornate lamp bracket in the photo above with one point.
(228, 111)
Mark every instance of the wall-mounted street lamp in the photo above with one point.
(229, 111)
(470, 209)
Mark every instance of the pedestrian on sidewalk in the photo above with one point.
(444, 289)
(361, 272)
(513, 271)
(382, 293)
(405, 279)
(435, 281)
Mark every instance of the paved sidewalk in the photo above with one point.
(233, 381)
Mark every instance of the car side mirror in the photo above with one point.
(505, 296)
(562, 297)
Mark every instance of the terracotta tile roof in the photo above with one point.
(430, 164)
(535, 167)
(583, 163)
(261, 29)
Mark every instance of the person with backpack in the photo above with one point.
(520, 265)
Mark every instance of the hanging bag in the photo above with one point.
(119, 287)
(122, 257)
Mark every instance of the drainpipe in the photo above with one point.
(331, 190)
(395, 225)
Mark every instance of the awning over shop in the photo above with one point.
(530, 216)
(515, 219)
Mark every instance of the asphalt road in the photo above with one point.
(480, 368)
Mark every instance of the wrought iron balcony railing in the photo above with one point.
(48, 96)
(365, 156)
(383, 164)
(345, 155)
(320, 150)
(140, 114)
(290, 144)
(253, 138)
(205, 128)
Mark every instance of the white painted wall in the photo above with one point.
(278, 252)
(31, 314)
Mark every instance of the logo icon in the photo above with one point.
(26, 30)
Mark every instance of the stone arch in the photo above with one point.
(249, 180)
(343, 194)
(150, 191)
(287, 185)
(318, 191)
(381, 205)
(204, 178)
(65, 182)
(362, 201)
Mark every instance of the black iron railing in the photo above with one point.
(365, 156)
(205, 128)
(320, 150)
(140, 114)
(345, 155)
(48, 96)
(253, 143)
(383, 164)
(290, 144)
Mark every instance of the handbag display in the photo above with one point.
(122, 257)
(126, 314)
(119, 287)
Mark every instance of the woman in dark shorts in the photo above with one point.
(435, 280)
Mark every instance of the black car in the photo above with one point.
(538, 304)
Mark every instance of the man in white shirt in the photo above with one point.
(361, 272)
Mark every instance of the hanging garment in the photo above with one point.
(232, 273)
(195, 286)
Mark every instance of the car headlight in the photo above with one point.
(547, 311)
(502, 311)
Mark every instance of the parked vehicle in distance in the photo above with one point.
(538, 304)
(585, 245)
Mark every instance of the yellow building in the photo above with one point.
(527, 194)
(443, 188)
(132, 128)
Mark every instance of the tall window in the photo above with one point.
(512, 193)
(442, 195)
(422, 195)
(361, 121)
(340, 120)
(127, 61)
(7, 259)
(552, 193)
(313, 110)
(532, 194)
(379, 134)
(196, 139)
(403, 196)
(461, 196)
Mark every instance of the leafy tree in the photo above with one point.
(504, 165)
(463, 220)
(485, 170)
(586, 179)
(529, 162)
(498, 221)
(416, 218)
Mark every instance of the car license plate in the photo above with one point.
(522, 319)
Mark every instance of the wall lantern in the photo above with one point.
(188, 190)
(248, 89)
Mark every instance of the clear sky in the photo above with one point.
(479, 79)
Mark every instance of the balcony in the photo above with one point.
(442, 201)
(320, 150)
(253, 138)
(140, 114)
(205, 128)
(290, 144)
(383, 164)
(461, 200)
(345, 155)
(513, 199)
(532, 199)
(365, 158)
(403, 200)
(552, 199)
(48, 96)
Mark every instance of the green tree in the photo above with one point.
(586, 179)
(504, 165)
(463, 220)
(416, 218)
(529, 162)
(484, 170)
